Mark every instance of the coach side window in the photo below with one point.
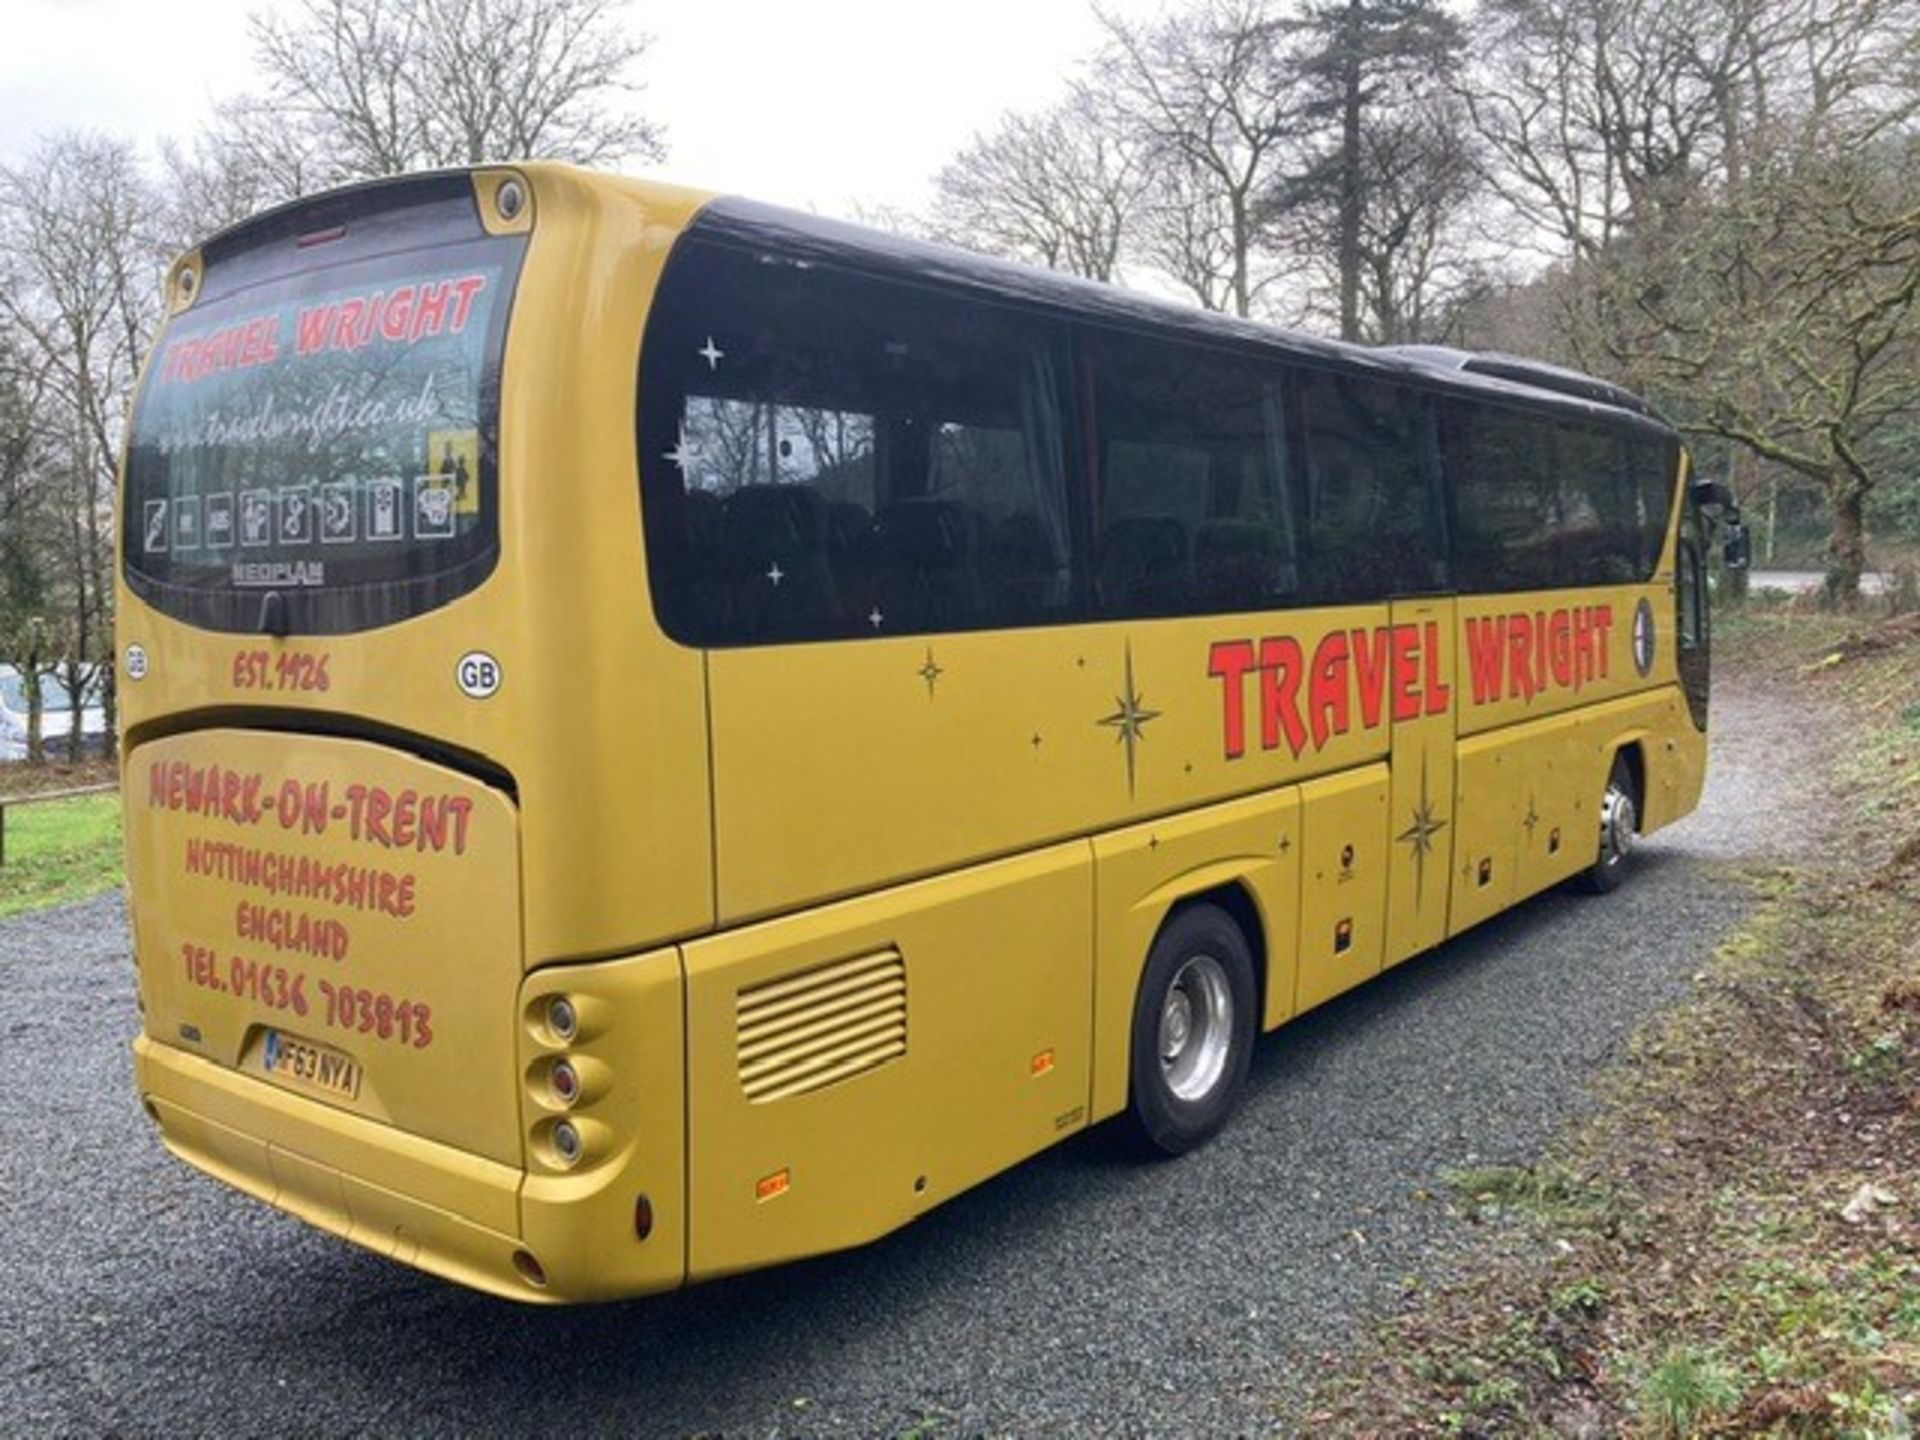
(1193, 511)
(1600, 514)
(1506, 499)
(827, 454)
(1655, 468)
(1541, 503)
(1374, 526)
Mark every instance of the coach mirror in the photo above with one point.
(1738, 554)
(1717, 495)
(1713, 495)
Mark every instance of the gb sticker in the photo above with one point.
(478, 674)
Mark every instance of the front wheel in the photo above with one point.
(1619, 825)
(1193, 1029)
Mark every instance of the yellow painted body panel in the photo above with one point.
(1487, 779)
(1529, 794)
(1537, 653)
(434, 1206)
(631, 1056)
(1019, 737)
(927, 869)
(587, 672)
(1343, 883)
(1418, 813)
(1143, 871)
(998, 1052)
(275, 900)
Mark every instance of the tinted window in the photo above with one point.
(1541, 503)
(1194, 511)
(1691, 590)
(827, 454)
(328, 434)
(1373, 524)
(1655, 468)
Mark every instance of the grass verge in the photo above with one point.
(60, 850)
(1731, 1246)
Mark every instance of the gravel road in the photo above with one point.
(1080, 1293)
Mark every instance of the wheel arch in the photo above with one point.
(1630, 745)
(1238, 900)
(1236, 856)
(1635, 754)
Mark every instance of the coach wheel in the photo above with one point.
(1193, 1028)
(1619, 825)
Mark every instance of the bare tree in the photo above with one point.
(1790, 317)
(81, 293)
(1190, 231)
(1061, 187)
(1418, 243)
(24, 528)
(1722, 188)
(1588, 110)
(505, 79)
(1210, 100)
(360, 88)
(243, 163)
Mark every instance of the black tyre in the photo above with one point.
(1193, 1030)
(1619, 825)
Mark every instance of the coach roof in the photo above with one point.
(805, 239)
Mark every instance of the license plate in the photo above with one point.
(307, 1066)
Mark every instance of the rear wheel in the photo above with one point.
(1193, 1028)
(1619, 826)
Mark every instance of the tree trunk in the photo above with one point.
(109, 682)
(1349, 239)
(30, 676)
(1734, 583)
(70, 674)
(1242, 246)
(1846, 544)
(1773, 516)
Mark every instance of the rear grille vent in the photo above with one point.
(804, 1032)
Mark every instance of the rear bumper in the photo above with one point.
(462, 1216)
(428, 1205)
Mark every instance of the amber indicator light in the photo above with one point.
(772, 1186)
(1042, 1063)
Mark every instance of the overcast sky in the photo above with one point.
(818, 103)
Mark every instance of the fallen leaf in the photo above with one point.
(1867, 1201)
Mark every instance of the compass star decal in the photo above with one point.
(1129, 718)
(1419, 836)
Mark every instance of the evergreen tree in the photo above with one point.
(1361, 65)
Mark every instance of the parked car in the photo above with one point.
(56, 716)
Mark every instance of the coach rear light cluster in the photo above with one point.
(564, 1081)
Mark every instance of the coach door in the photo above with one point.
(1420, 815)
